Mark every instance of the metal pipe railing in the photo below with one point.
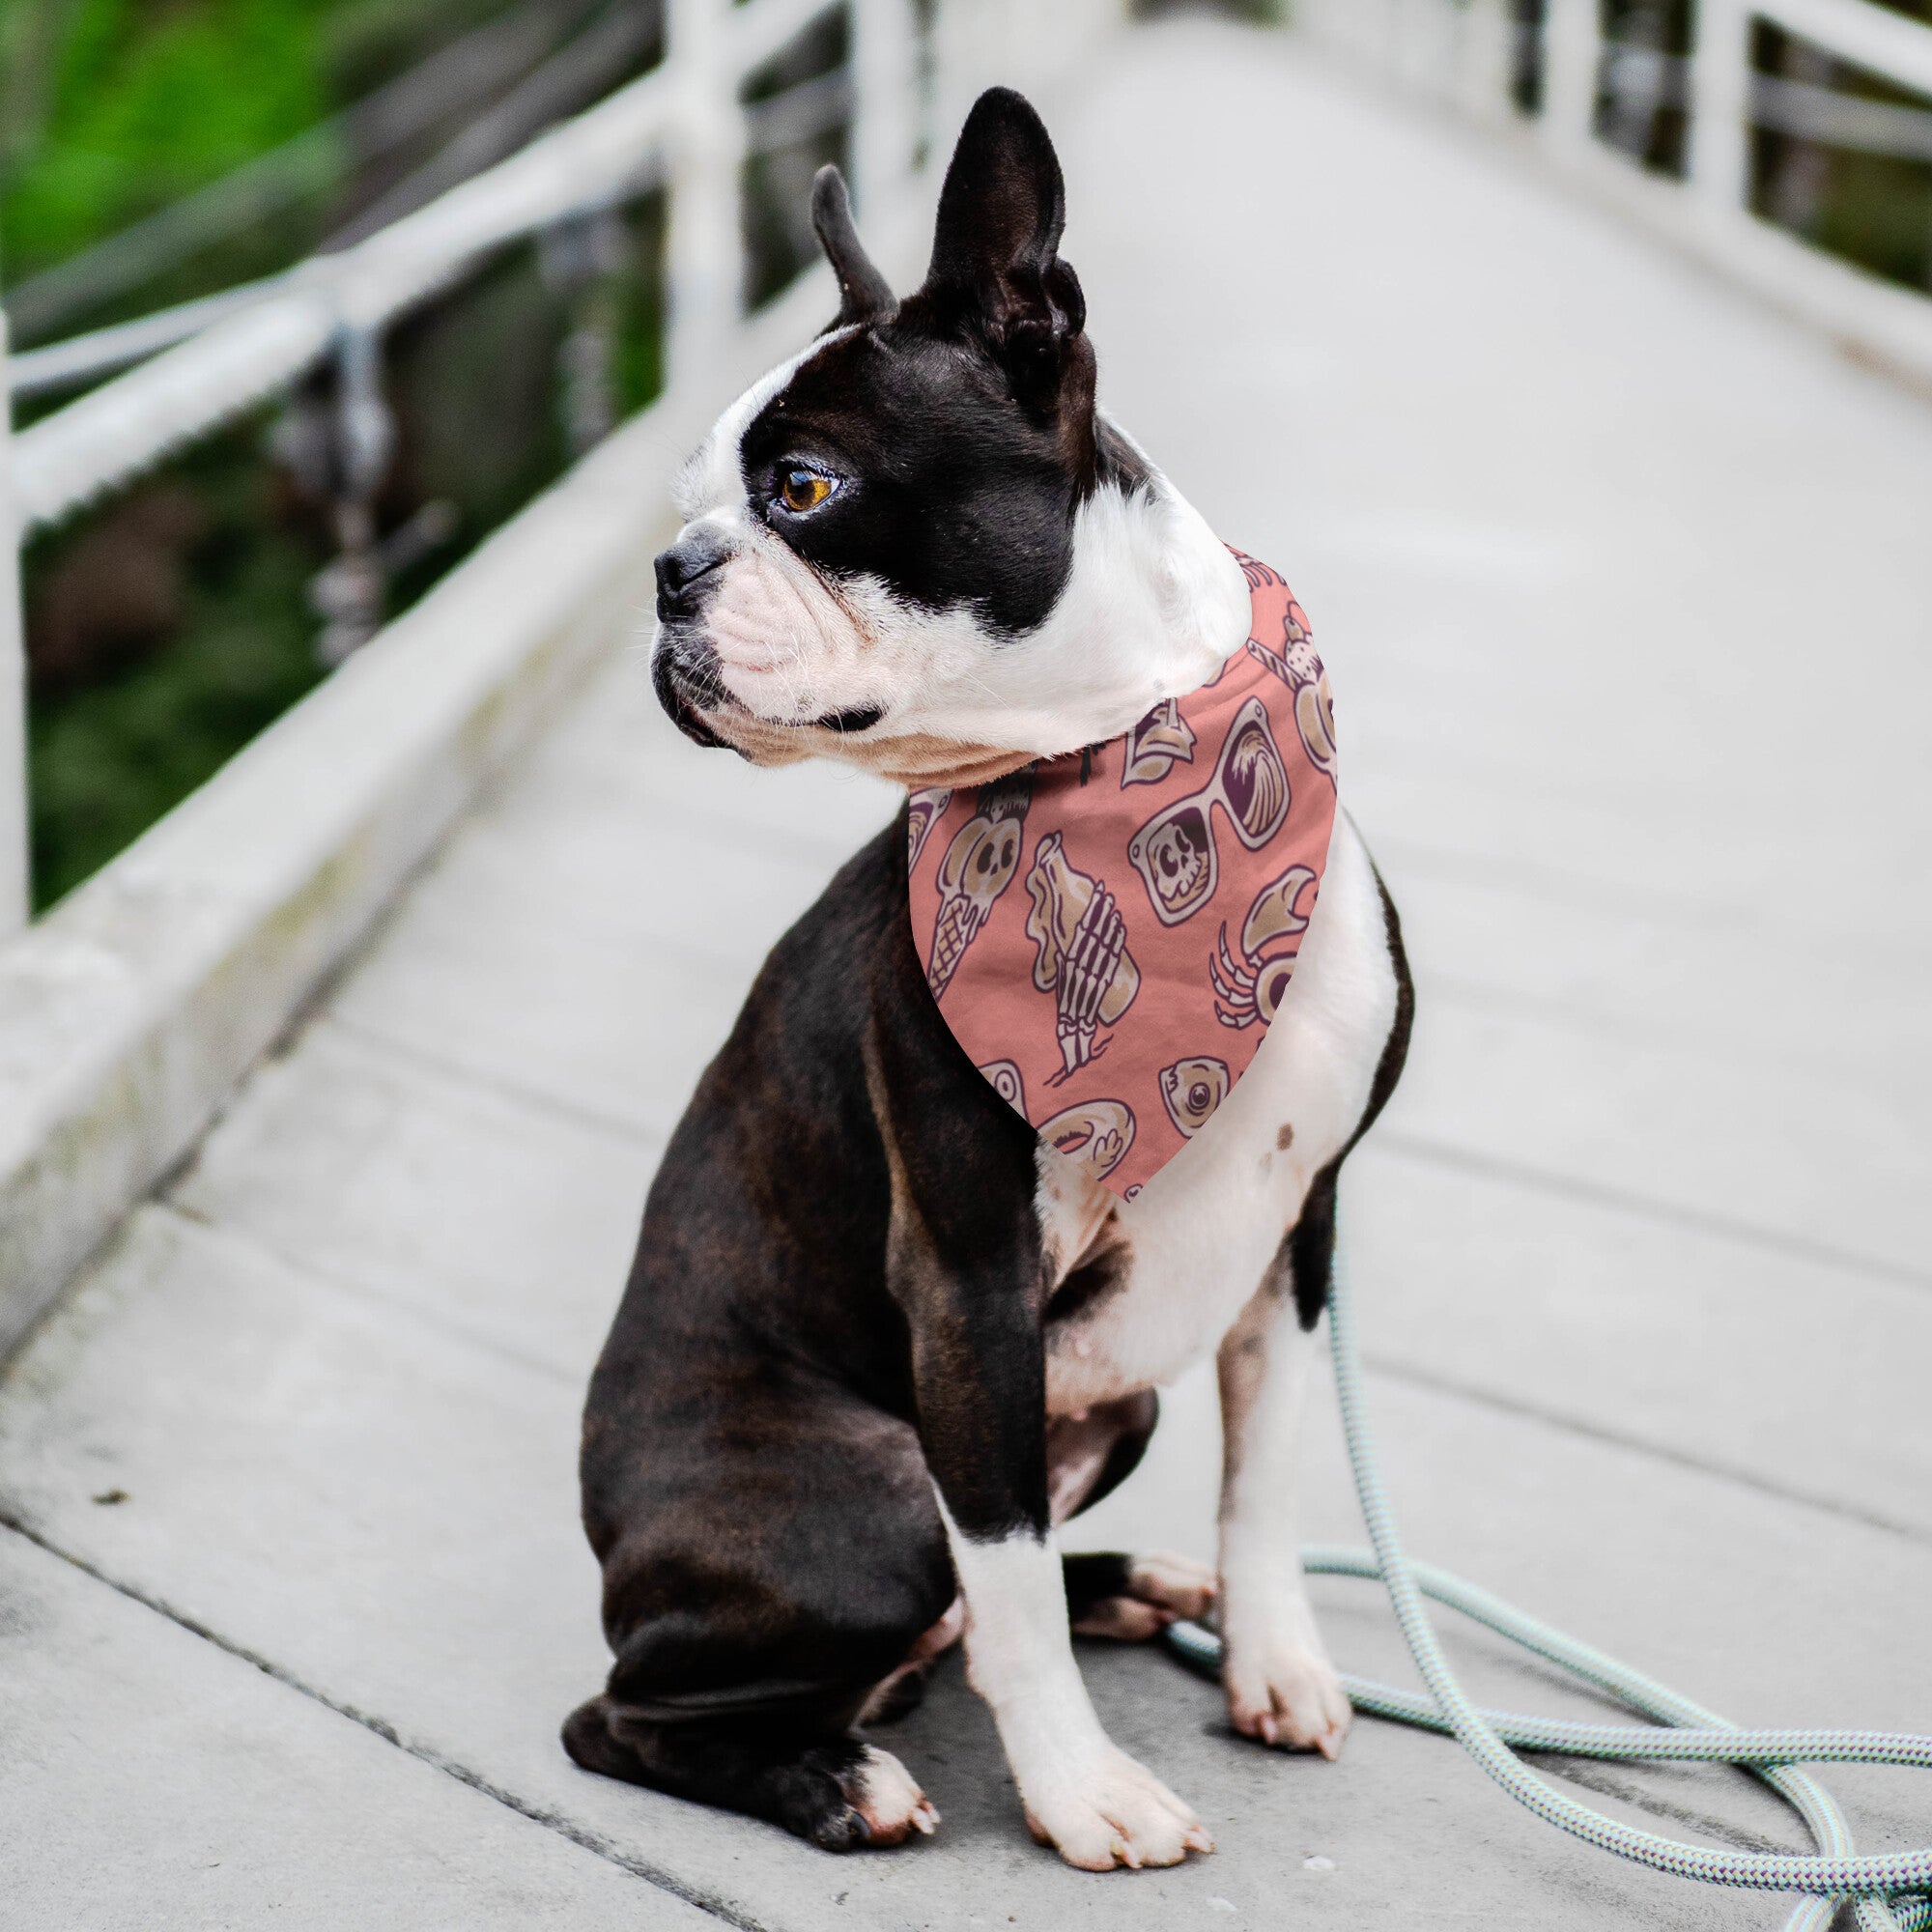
(682, 125)
(1449, 48)
(452, 82)
(1477, 55)
(12, 695)
(612, 150)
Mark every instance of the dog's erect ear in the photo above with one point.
(994, 256)
(862, 292)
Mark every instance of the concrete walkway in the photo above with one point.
(1623, 584)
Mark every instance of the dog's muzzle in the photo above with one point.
(684, 666)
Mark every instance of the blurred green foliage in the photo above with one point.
(111, 109)
(108, 754)
(114, 748)
(170, 624)
(123, 106)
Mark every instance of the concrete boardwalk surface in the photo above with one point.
(1623, 584)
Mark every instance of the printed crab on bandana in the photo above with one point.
(1109, 933)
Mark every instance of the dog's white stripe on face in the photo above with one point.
(711, 479)
(1080, 1791)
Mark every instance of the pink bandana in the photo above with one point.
(1167, 877)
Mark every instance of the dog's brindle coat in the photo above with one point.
(877, 1341)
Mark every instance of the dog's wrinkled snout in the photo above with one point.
(687, 574)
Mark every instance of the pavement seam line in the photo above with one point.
(586, 1840)
(1430, 1151)
(1494, 1001)
(535, 1100)
(367, 1295)
(1530, 879)
(1661, 1452)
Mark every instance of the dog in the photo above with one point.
(880, 1337)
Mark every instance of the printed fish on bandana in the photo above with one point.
(1170, 874)
(1193, 1087)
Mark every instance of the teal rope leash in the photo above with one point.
(1682, 1731)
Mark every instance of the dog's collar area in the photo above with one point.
(1168, 875)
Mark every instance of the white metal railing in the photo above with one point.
(127, 1013)
(611, 151)
(681, 125)
(14, 882)
(1468, 54)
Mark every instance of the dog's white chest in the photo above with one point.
(1152, 1284)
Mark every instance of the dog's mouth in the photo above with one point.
(685, 678)
(688, 681)
(849, 723)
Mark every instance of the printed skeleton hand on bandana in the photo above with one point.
(1081, 940)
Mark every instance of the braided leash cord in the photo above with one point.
(1682, 1730)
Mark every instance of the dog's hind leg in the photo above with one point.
(824, 1785)
(1130, 1599)
(1109, 1592)
(759, 1582)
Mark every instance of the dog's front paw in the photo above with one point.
(1284, 1693)
(1112, 1811)
(878, 1803)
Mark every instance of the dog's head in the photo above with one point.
(918, 546)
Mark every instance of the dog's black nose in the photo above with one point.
(685, 572)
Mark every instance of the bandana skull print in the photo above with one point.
(1109, 933)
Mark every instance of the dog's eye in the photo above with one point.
(801, 490)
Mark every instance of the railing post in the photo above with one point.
(578, 258)
(14, 900)
(703, 256)
(1483, 60)
(348, 594)
(1720, 107)
(1573, 49)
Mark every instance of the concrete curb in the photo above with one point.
(131, 1010)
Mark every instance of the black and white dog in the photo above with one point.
(878, 1339)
